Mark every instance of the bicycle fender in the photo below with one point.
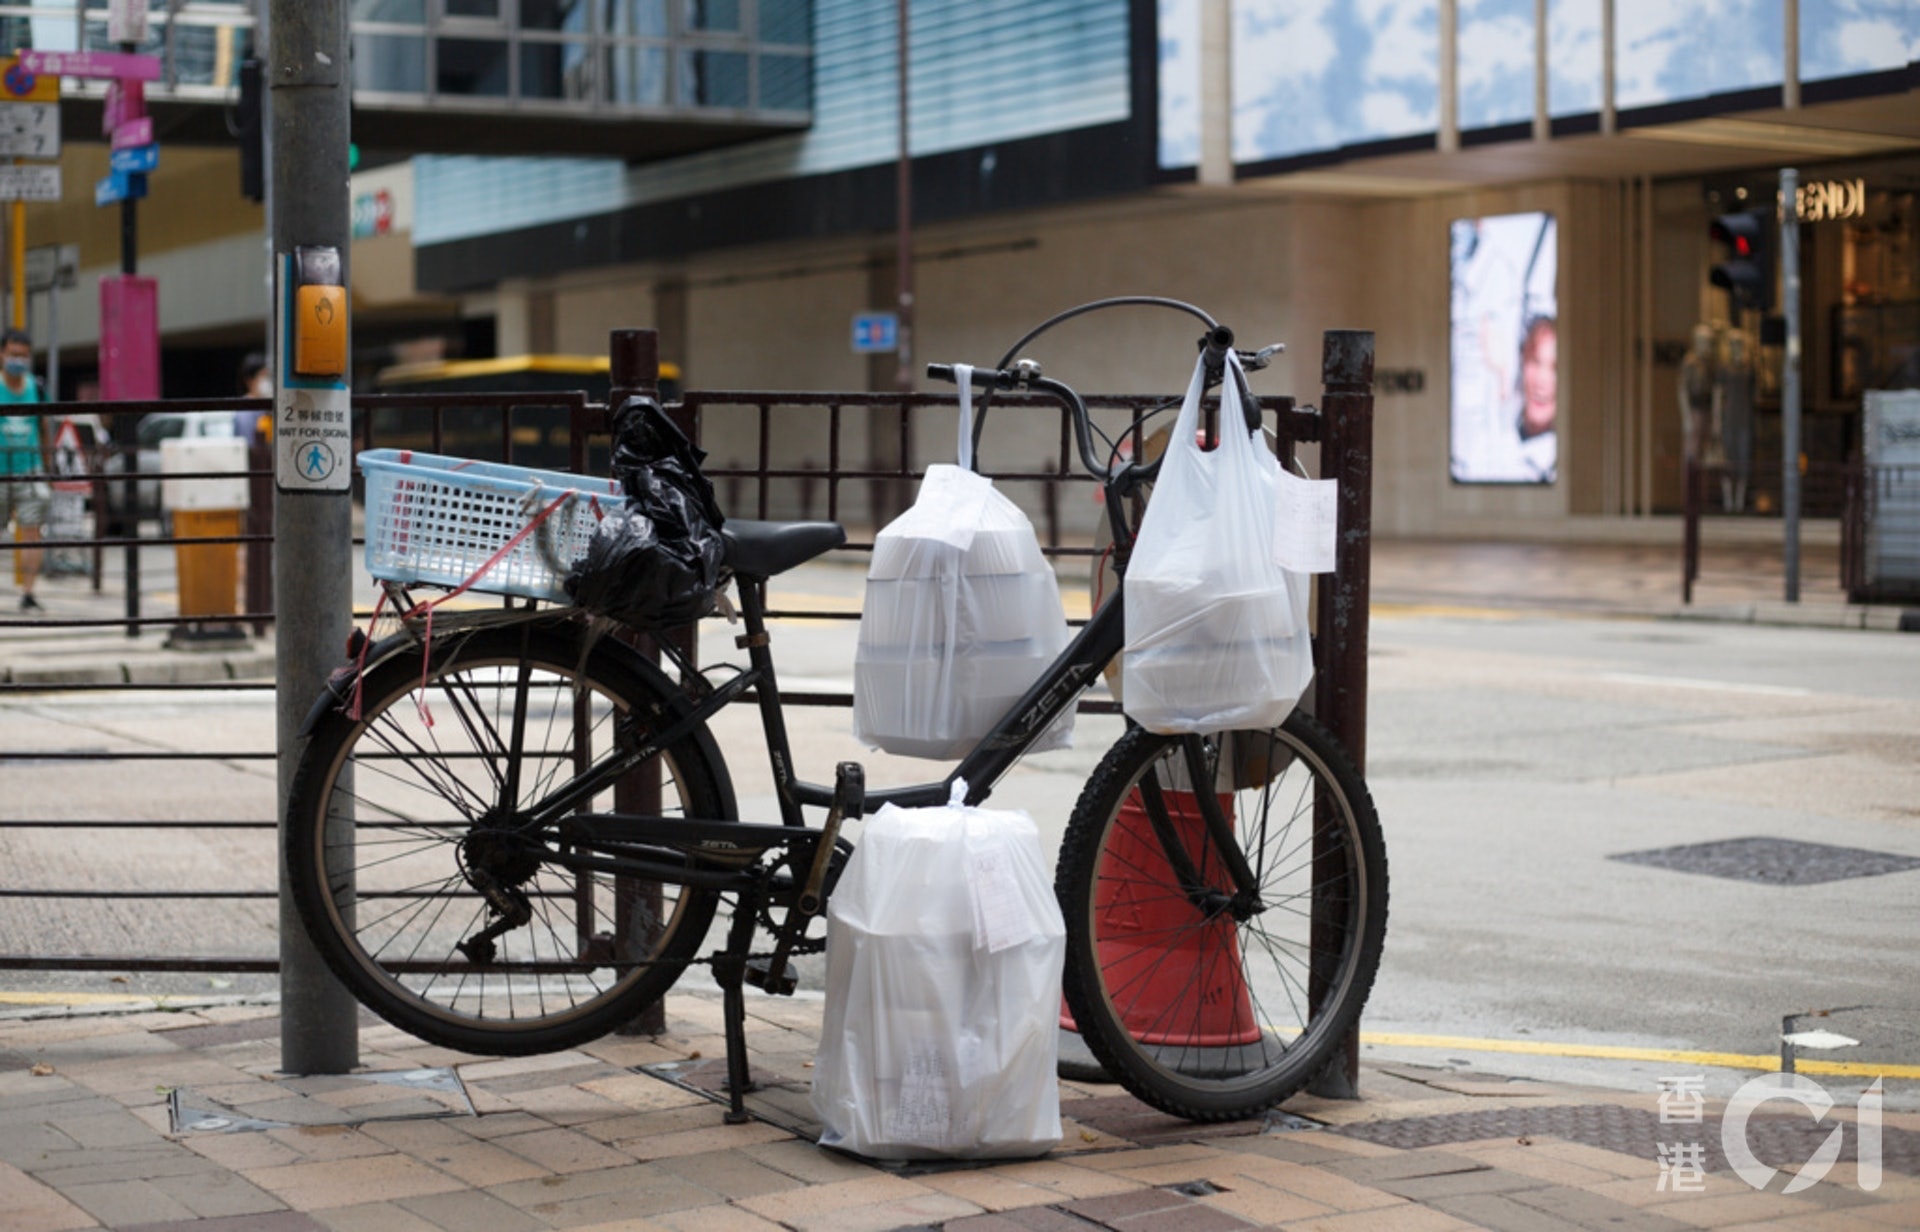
(340, 681)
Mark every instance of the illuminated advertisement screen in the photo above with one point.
(1505, 349)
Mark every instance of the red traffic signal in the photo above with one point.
(1747, 273)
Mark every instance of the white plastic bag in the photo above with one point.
(962, 615)
(1217, 632)
(944, 951)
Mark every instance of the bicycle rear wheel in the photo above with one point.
(1203, 1007)
(427, 844)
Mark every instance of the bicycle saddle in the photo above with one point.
(763, 549)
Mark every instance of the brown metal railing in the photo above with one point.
(1342, 428)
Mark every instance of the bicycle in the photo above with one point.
(502, 880)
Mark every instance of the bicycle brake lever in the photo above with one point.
(1253, 361)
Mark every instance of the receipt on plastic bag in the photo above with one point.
(1305, 525)
(1000, 916)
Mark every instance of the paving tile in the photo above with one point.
(110, 1129)
(1192, 1217)
(322, 1142)
(585, 1070)
(992, 1191)
(1400, 1219)
(563, 1150)
(217, 1195)
(1724, 1209)
(276, 1221)
(817, 1200)
(1263, 1204)
(318, 1184)
(927, 1210)
(496, 1124)
(566, 1105)
(1030, 1219)
(118, 1203)
(1484, 1180)
(240, 1152)
(1500, 1213)
(64, 1169)
(697, 1219)
(697, 1141)
(730, 1174)
(1329, 1190)
(642, 1091)
(1404, 1165)
(1588, 1209)
(374, 1217)
(806, 1162)
(479, 1073)
(1069, 1178)
(1134, 1160)
(469, 1210)
(1304, 1148)
(33, 1207)
(1126, 1205)
(1528, 1162)
(656, 1192)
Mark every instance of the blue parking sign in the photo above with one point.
(875, 333)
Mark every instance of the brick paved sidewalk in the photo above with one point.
(178, 1120)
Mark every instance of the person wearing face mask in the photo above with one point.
(23, 451)
(256, 381)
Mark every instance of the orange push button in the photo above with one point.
(320, 331)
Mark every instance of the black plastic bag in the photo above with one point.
(657, 560)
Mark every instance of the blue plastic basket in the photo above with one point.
(438, 521)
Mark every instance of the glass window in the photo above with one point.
(475, 67)
(1573, 56)
(1496, 63)
(409, 12)
(714, 79)
(486, 10)
(637, 18)
(637, 76)
(787, 21)
(711, 14)
(555, 71)
(570, 15)
(786, 83)
(390, 63)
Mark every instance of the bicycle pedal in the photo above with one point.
(759, 973)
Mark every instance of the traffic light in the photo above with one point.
(1747, 271)
(249, 123)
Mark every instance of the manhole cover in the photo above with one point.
(1776, 1141)
(1772, 861)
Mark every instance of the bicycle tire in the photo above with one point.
(420, 794)
(1204, 1016)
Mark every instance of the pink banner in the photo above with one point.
(129, 338)
(126, 101)
(112, 64)
(133, 133)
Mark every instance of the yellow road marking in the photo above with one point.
(74, 998)
(1616, 1052)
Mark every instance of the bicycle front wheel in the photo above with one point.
(425, 887)
(1205, 1000)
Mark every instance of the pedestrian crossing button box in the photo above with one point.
(319, 314)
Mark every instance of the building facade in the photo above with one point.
(1515, 195)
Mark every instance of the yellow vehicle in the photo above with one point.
(525, 433)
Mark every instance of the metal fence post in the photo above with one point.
(313, 596)
(1340, 698)
(634, 372)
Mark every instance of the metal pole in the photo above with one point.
(129, 425)
(634, 370)
(1790, 380)
(307, 105)
(903, 261)
(1340, 696)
